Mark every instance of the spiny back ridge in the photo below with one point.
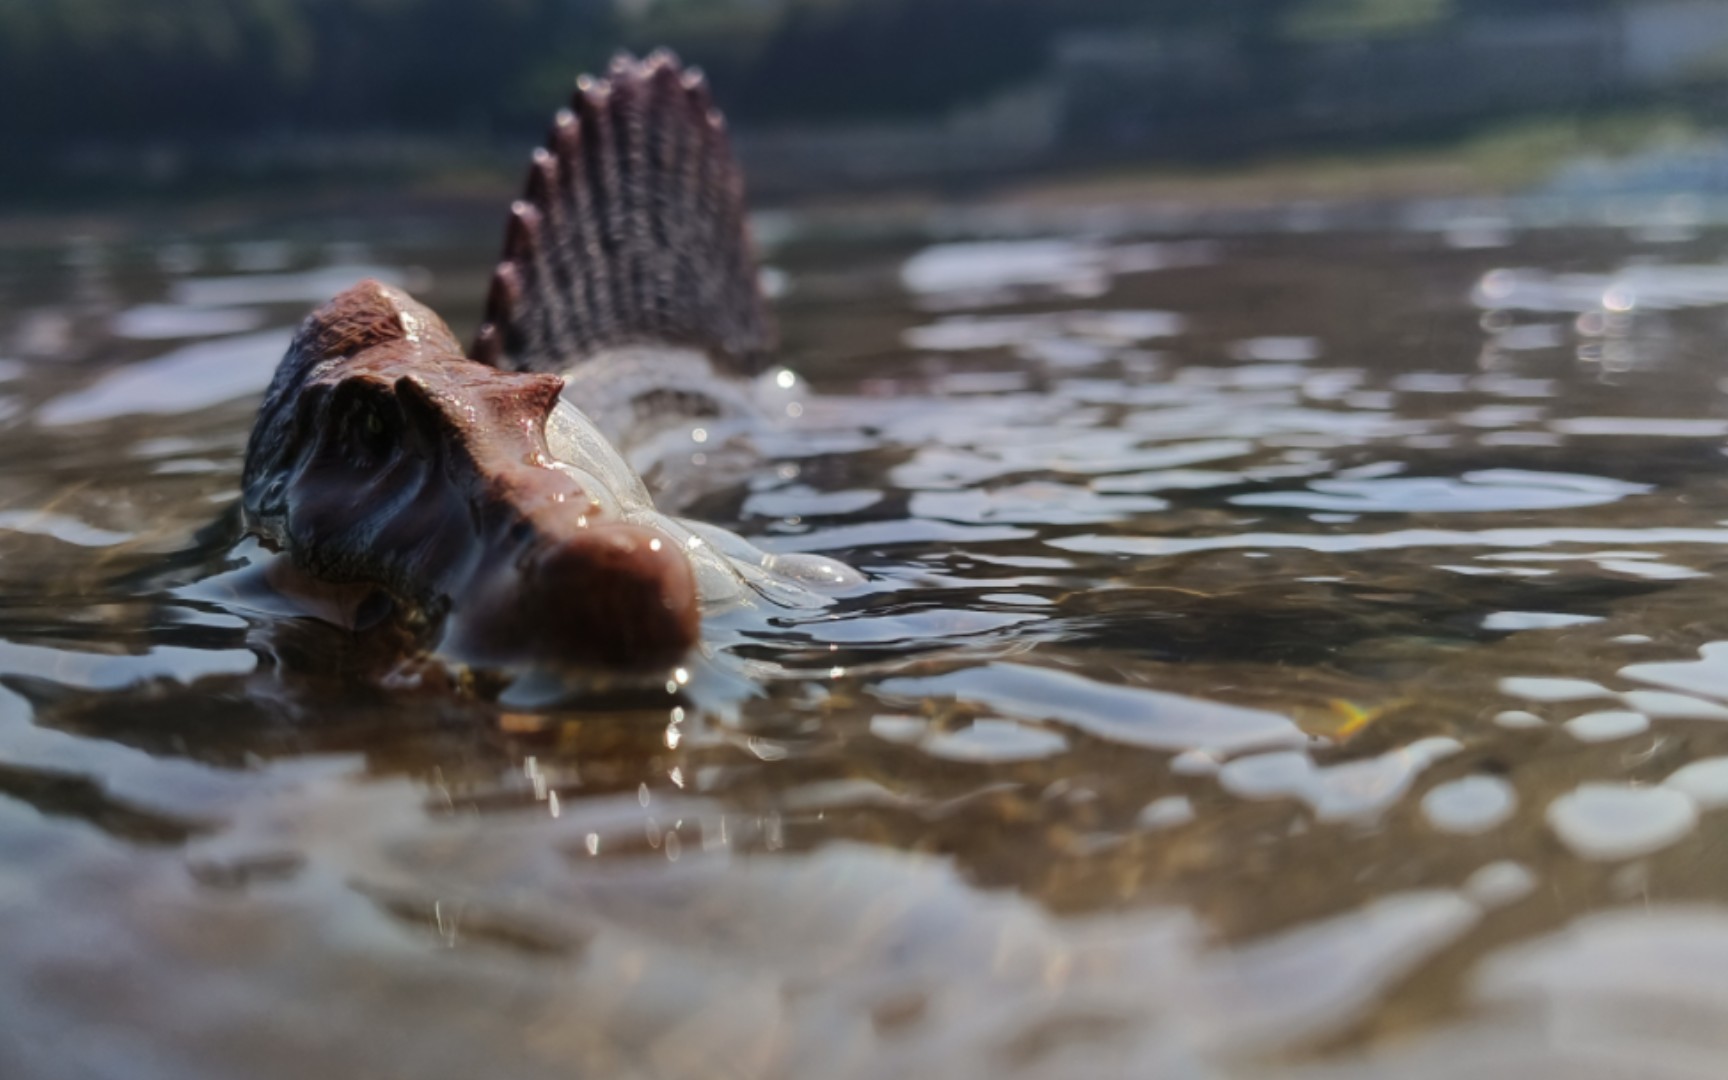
(631, 230)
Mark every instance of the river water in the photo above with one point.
(1295, 647)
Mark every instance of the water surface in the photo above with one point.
(1289, 652)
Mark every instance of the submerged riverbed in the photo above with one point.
(1293, 649)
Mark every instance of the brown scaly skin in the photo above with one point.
(383, 458)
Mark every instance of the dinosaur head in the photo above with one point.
(382, 457)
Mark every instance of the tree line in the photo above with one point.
(135, 70)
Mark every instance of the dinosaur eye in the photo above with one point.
(373, 423)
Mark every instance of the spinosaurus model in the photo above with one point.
(485, 490)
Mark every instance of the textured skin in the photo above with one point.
(631, 230)
(382, 456)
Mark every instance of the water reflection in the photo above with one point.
(1286, 655)
(999, 272)
(188, 378)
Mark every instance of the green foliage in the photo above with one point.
(80, 72)
(1524, 151)
(892, 57)
(131, 69)
(1323, 19)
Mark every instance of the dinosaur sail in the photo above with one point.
(631, 231)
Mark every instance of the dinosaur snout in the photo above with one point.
(617, 596)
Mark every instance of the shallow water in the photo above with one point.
(1288, 653)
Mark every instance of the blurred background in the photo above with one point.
(121, 100)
